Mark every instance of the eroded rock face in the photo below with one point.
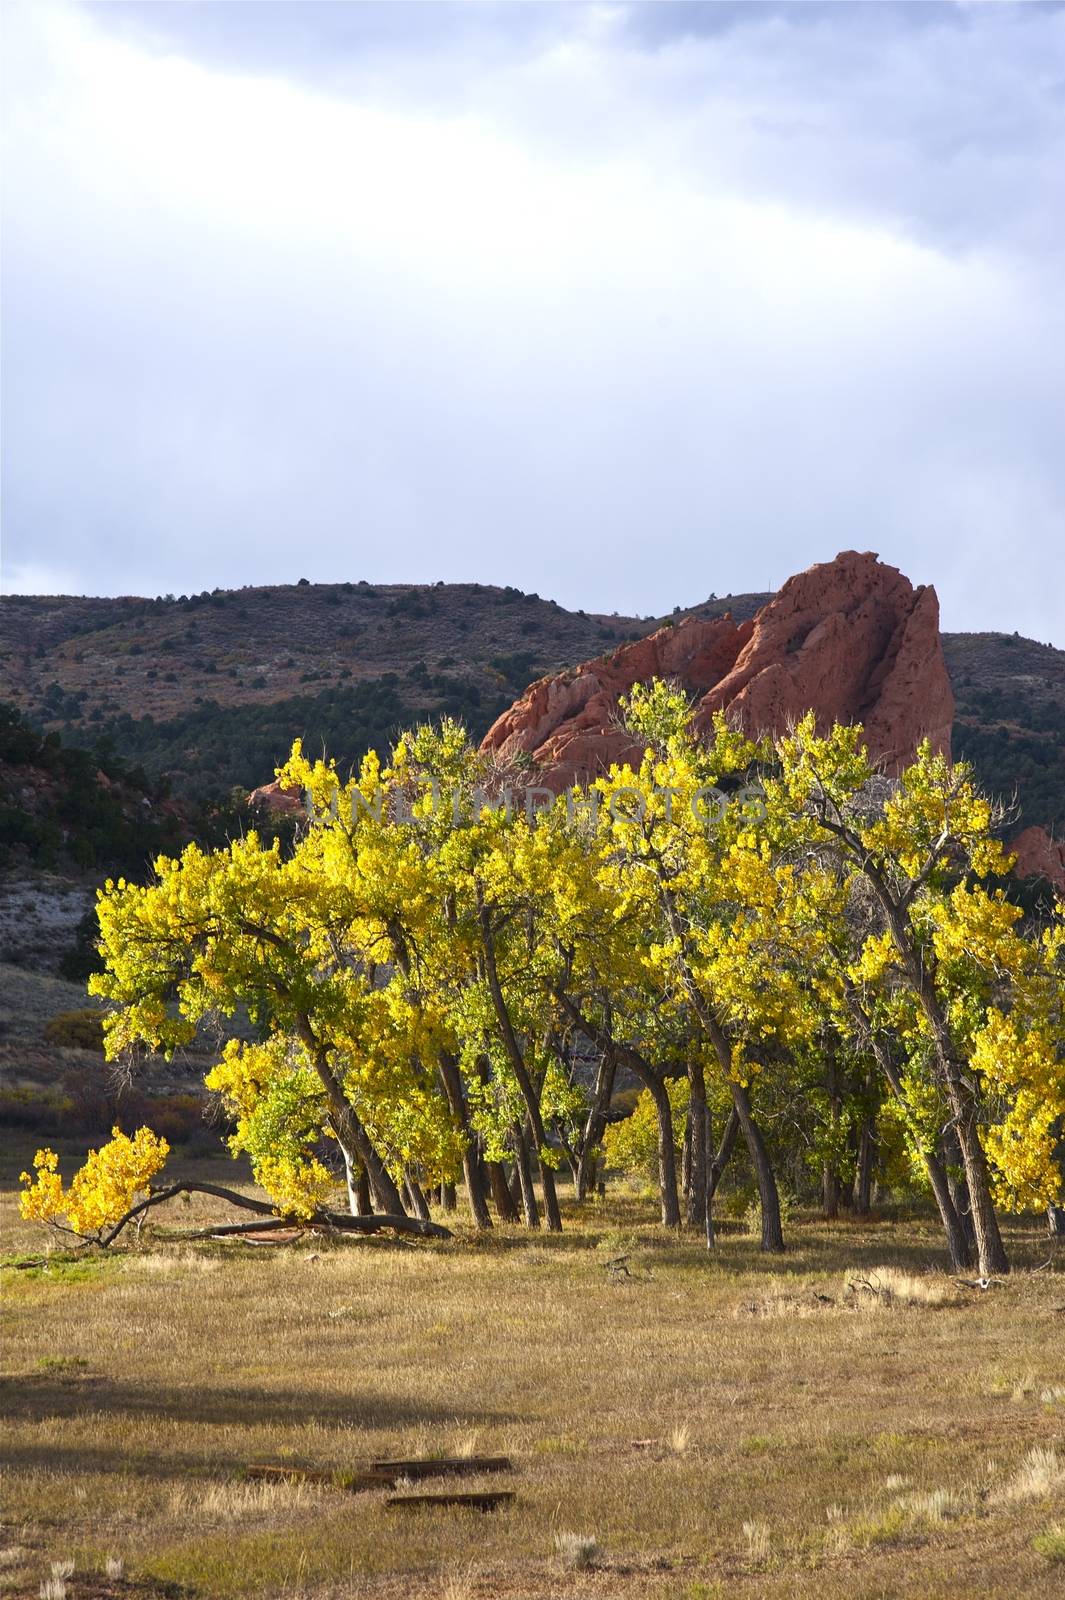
(850, 639)
(1039, 856)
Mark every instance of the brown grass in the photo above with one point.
(705, 1449)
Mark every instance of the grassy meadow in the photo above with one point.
(680, 1426)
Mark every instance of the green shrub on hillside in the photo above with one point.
(76, 1030)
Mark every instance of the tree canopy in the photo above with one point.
(445, 973)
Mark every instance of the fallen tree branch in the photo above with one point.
(172, 1190)
(338, 1221)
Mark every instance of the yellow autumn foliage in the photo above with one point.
(101, 1191)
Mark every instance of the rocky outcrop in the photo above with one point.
(1039, 856)
(278, 802)
(850, 639)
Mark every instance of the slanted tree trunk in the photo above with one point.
(654, 1084)
(266, 1217)
(348, 1126)
(724, 1153)
(715, 1168)
(418, 1204)
(523, 1169)
(595, 1125)
(960, 1242)
(516, 1059)
(768, 1197)
(472, 1165)
(667, 1152)
(991, 1257)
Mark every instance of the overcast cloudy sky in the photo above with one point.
(623, 304)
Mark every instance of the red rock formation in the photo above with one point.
(850, 639)
(1039, 856)
(280, 802)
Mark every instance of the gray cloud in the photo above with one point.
(623, 305)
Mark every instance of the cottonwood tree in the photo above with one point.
(422, 964)
(724, 926)
(975, 1001)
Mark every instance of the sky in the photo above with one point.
(623, 304)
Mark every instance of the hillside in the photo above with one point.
(1010, 718)
(209, 690)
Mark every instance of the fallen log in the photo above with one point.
(335, 1221)
(442, 1466)
(485, 1500)
(354, 1482)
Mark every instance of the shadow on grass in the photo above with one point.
(34, 1397)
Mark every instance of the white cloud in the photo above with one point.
(618, 325)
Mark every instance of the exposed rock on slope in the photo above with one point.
(850, 639)
(279, 802)
(1039, 856)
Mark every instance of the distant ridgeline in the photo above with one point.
(205, 693)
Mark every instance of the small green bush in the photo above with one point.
(76, 1030)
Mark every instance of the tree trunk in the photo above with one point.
(418, 1204)
(863, 1177)
(472, 1165)
(266, 1217)
(830, 1179)
(667, 1153)
(595, 1125)
(524, 1174)
(506, 1210)
(552, 1210)
(991, 1257)
(686, 1162)
(697, 1122)
(628, 1057)
(724, 1151)
(1056, 1221)
(348, 1125)
(351, 1182)
(830, 1192)
(959, 1241)
(958, 1188)
(517, 1065)
(448, 1199)
(715, 1168)
(769, 1199)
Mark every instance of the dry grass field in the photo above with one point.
(680, 1427)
